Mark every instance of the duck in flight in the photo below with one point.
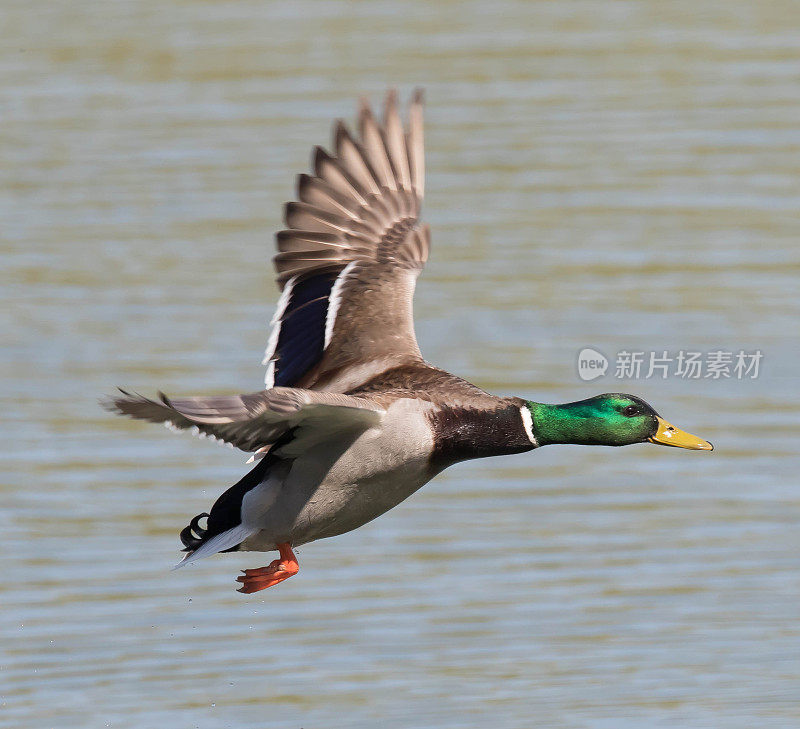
(353, 420)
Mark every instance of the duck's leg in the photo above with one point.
(275, 572)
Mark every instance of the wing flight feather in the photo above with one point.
(358, 211)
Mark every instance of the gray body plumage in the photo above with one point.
(346, 482)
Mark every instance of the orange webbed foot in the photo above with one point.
(277, 571)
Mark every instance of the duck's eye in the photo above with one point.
(630, 411)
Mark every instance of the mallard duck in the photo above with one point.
(353, 420)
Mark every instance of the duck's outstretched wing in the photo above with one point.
(253, 422)
(348, 261)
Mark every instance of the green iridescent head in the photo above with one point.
(613, 419)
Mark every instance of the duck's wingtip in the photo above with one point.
(109, 402)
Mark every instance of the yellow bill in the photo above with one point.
(669, 435)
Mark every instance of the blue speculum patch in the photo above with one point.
(302, 336)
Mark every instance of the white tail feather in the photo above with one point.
(217, 543)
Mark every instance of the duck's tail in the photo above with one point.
(194, 535)
(224, 531)
(227, 541)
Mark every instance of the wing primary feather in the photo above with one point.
(395, 140)
(327, 168)
(352, 159)
(319, 193)
(372, 139)
(415, 143)
(302, 216)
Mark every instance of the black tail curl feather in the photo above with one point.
(194, 535)
(227, 510)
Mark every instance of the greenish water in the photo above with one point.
(615, 175)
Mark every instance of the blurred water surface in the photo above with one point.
(621, 175)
